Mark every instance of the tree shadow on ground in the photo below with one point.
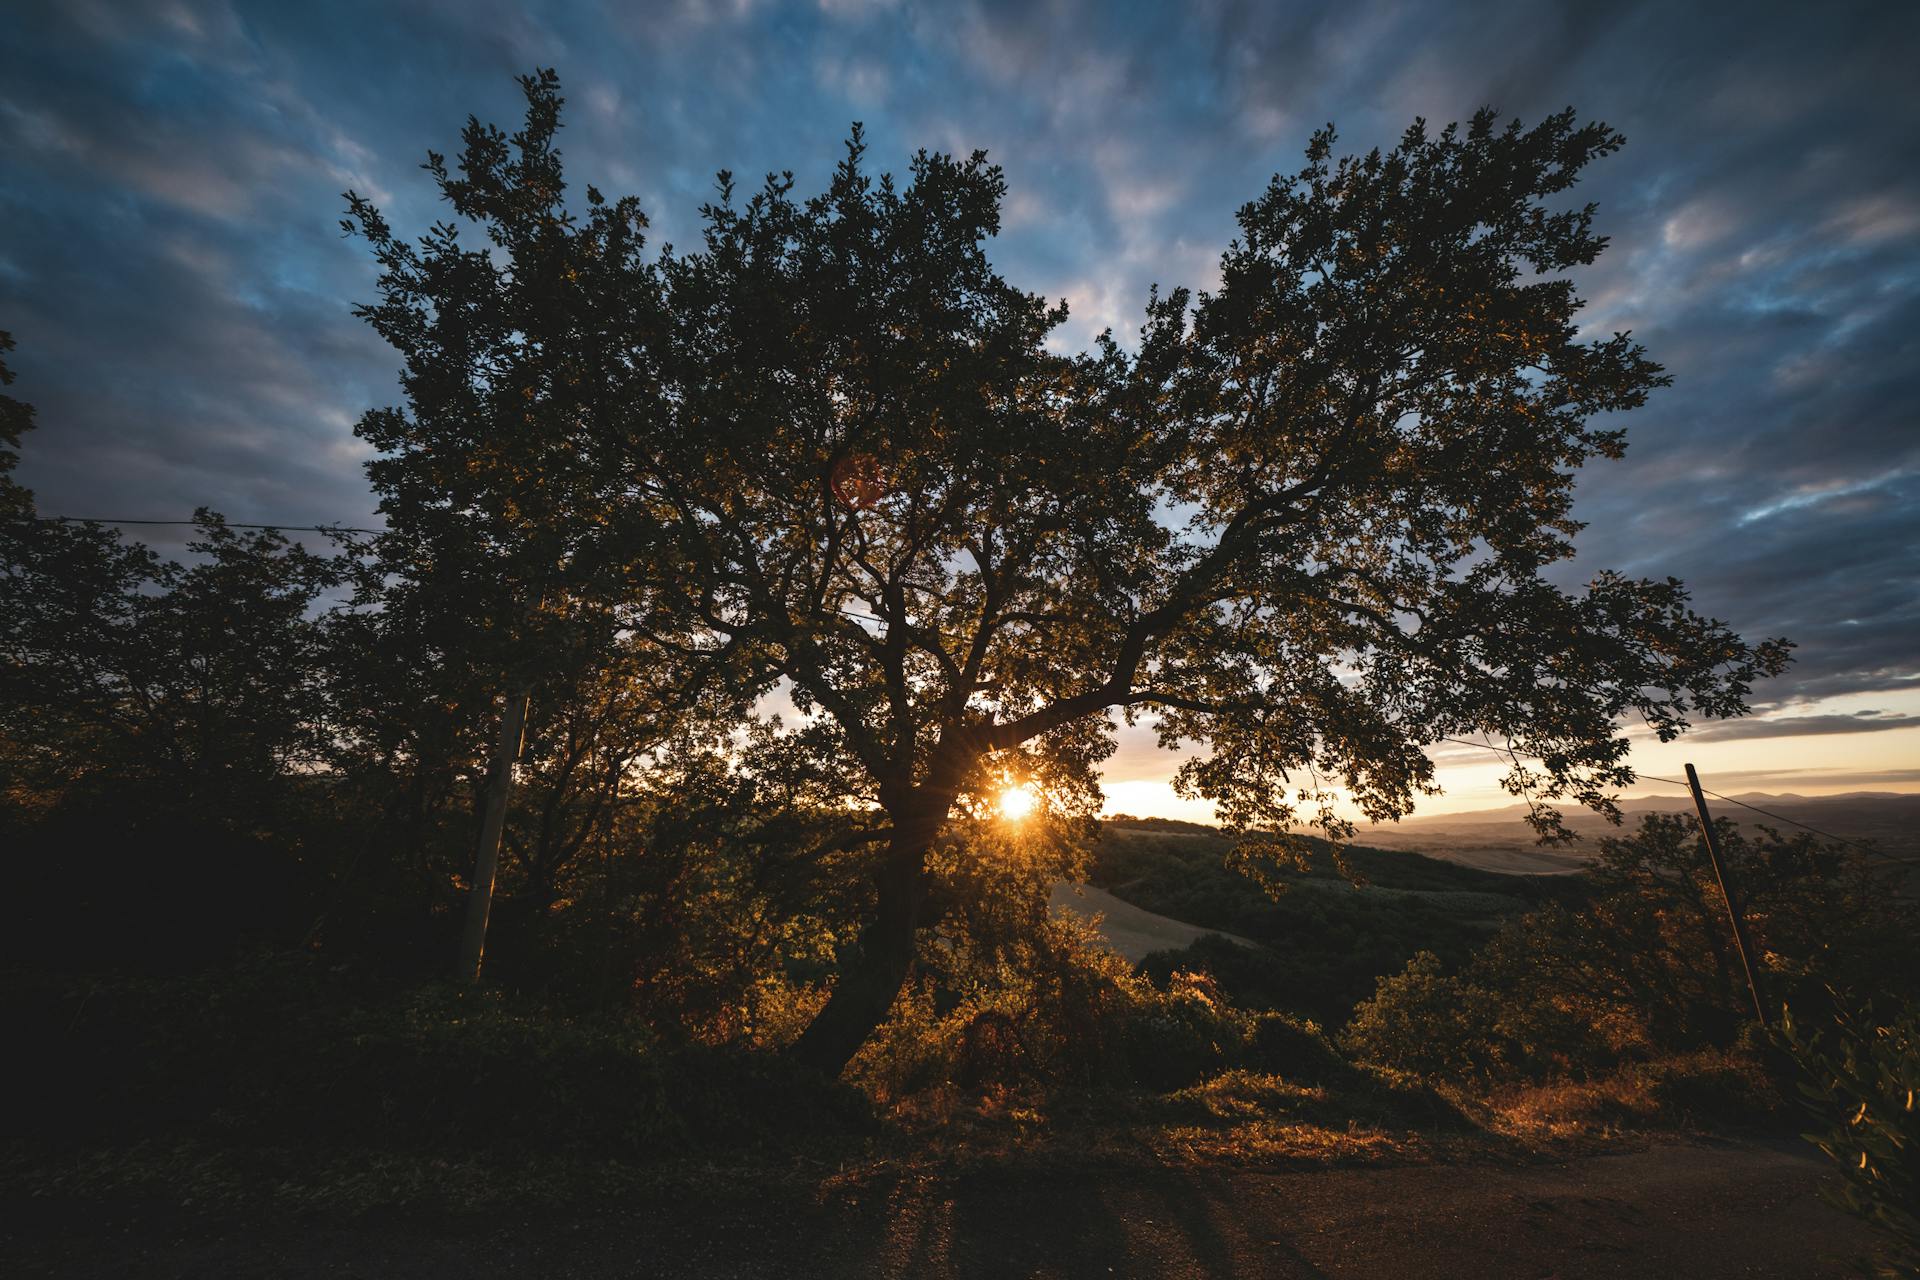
(1059, 1223)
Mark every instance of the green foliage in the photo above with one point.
(830, 450)
(1061, 1011)
(1295, 1048)
(1185, 1033)
(1642, 966)
(1711, 1088)
(1422, 1020)
(1860, 1070)
(16, 419)
(1323, 940)
(163, 727)
(191, 686)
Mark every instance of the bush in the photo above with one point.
(1861, 1073)
(1709, 1089)
(1184, 1033)
(1295, 1049)
(1640, 971)
(1427, 1022)
(1065, 1012)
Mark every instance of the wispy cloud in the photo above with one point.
(1802, 726)
(170, 178)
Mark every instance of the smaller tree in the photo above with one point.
(16, 419)
(161, 727)
(503, 560)
(196, 686)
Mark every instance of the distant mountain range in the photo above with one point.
(1500, 840)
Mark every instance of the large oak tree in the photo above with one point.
(1308, 525)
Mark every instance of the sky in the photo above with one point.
(172, 267)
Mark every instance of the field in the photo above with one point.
(1321, 943)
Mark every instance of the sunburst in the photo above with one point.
(1017, 802)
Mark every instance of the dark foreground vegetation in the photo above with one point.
(1572, 1016)
(255, 798)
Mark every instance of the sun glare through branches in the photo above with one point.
(1017, 802)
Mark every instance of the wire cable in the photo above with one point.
(1778, 817)
(230, 524)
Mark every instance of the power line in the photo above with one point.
(230, 524)
(300, 528)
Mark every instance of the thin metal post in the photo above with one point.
(1726, 895)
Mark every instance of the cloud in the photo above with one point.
(1801, 726)
(1819, 781)
(170, 177)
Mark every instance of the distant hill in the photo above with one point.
(1500, 840)
(1324, 942)
(1442, 883)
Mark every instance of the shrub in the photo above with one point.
(1708, 1089)
(1428, 1022)
(1295, 1049)
(1184, 1033)
(1861, 1073)
(1638, 971)
(1065, 1011)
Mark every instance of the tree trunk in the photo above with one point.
(872, 976)
(473, 941)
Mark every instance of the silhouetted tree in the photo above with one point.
(159, 722)
(161, 725)
(1306, 524)
(503, 576)
(16, 419)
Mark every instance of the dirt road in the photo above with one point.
(1698, 1210)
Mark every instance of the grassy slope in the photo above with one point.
(1326, 940)
(1500, 840)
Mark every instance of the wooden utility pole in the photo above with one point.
(1726, 894)
(493, 821)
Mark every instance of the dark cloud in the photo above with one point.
(1797, 726)
(170, 176)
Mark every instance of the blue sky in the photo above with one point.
(171, 264)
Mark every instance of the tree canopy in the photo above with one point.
(1307, 525)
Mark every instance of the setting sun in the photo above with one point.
(1017, 802)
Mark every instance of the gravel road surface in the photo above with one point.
(1699, 1210)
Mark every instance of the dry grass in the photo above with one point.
(1688, 1092)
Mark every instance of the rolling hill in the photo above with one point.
(1500, 840)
